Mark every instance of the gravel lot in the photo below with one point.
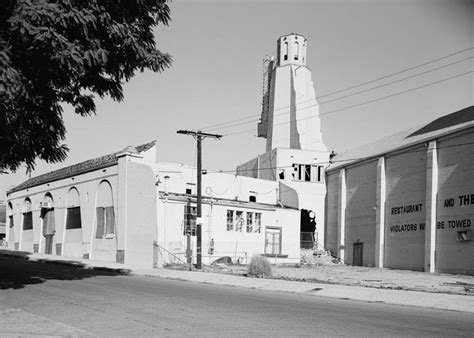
(363, 276)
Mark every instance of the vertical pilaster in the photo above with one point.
(380, 214)
(341, 213)
(430, 213)
(121, 220)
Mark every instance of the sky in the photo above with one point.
(216, 77)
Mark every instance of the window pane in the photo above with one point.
(239, 220)
(73, 219)
(249, 221)
(190, 219)
(307, 173)
(100, 222)
(230, 220)
(258, 222)
(109, 221)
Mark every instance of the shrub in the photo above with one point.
(259, 267)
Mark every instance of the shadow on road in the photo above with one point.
(17, 272)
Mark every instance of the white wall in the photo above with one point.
(237, 245)
(87, 185)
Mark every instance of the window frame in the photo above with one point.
(230, 220)
(249, 222)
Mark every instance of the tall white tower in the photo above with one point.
(290, 112)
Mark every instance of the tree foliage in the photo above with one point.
(67, 51)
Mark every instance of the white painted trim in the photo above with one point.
(431, 206)
(380, 214)
(341, 220)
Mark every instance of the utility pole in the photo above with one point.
(198, 136)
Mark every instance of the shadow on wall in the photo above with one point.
(17, 271)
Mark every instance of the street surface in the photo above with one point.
(50, 299)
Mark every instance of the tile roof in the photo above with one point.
(80, 168)
(444, 125)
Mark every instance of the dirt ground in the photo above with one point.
(363, 276)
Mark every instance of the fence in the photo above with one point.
(307, 240)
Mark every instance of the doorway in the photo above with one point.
(357, 254)
(273, 241)
(49, 229)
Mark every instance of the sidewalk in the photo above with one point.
(441, 301)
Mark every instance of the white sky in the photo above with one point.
(216, 76)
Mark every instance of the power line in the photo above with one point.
(345, 160)
(358, 104)
(198, 135)
(399, 72)
(349, 95)
(354, 86)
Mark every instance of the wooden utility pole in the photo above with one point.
(199, 136)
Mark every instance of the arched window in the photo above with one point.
(297, 50)
(47, 213)
(27, 215)
(105, 211)
(73, 218)
(285, 57)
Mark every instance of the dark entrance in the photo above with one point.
(357, 254)
(307, 229)
(47, 213)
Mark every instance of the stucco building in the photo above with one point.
(102, 209)
(129, 208)
(406, 201)
(296, 155)
(241, 217)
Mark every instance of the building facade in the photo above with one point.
(408, 202)
(102, 209)
(241, 217)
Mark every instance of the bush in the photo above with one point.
(260, 267)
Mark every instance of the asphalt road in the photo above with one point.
(50, 299)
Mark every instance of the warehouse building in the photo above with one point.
(406, 201)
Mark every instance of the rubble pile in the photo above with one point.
(318, 257)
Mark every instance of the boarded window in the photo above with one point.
(28, 220)
(249, 221)
(105, 211)
(105, 222)
(109, 221)
(100, 222)
(73, 218)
